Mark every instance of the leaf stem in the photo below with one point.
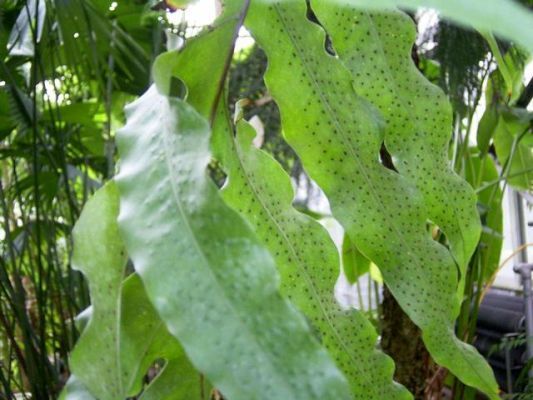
(227, 62)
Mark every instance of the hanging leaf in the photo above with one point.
(354, 263)
(487, 127)
(499, 93)
(260, 190)
(307, 275)
(506, 18)
(482, 171)
(514, 146)
(209, 279)
(124, 335)
(417, 114)
(337, 136)
(100, 255)
(215, 44)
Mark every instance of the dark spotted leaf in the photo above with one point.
(417, 114)
(506, 18)
(338, 135)
(211, 282)
(307, 259)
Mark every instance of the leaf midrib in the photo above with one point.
(167, 131)
(326, 103)
(414, 126)
(301, 262)
(341, 129)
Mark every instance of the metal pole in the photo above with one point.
(520, 225)
(508, 372)
(524, 270)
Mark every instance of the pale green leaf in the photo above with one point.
(337, 136)
(376, 48)
(210, 280)
(124, 335)
(354, 263)
(514, 147)
(100, 255)
(487, 127)
(506, 18)
(214, 44)
(480, 171)
(145, 339)
(307, 259)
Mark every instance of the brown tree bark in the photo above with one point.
(402, 340)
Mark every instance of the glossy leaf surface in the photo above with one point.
(306, 257)
(338, 137)
(210, 280)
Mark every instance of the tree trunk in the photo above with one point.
(402, 340)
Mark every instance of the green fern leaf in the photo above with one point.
(337, 136)
(513, 141)
(307, 259)
(124, 335)
(376, 48)
(506, 18)
(210, 280)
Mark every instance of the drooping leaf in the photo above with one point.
(124, 335)
(499, 93)
(209, 279)
(487, 127)
(506, 18)
(417, 114)
(480, 171)
(312, 294)
(354, 263)
(513, 140)
(304, 253)
(337, 136)
(214, 44)
(259, 189)
(100, 255)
